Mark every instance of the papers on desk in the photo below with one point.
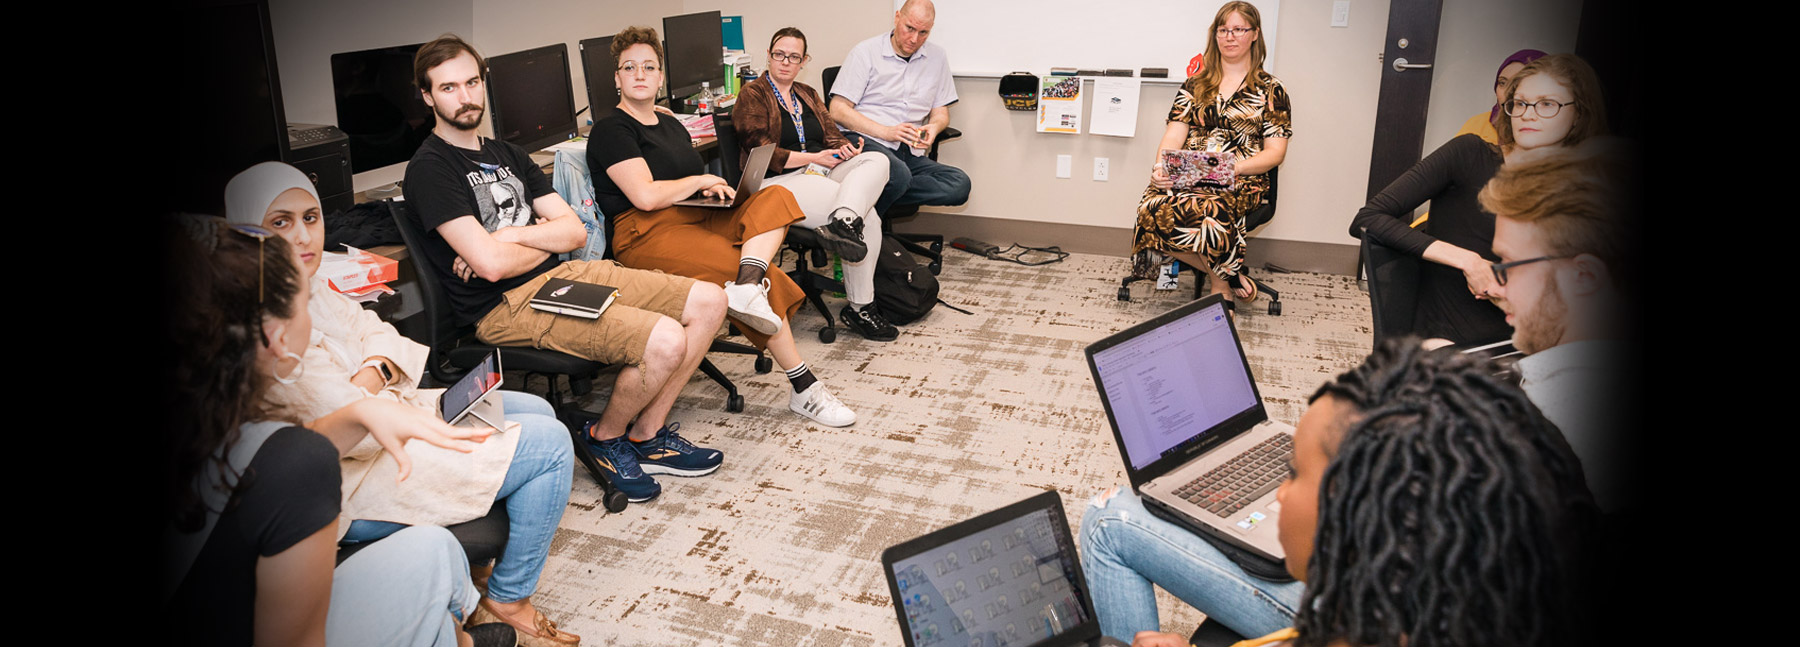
(1059, 105)
(698, 125)
(1116, 105)
(577, 146)
(360, 275)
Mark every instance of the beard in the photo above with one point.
(1544, 329)
(468, 117)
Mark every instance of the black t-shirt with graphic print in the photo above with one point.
(496, 185)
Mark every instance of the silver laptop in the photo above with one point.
(754, 170)
(1007, 578)
(1190, 424)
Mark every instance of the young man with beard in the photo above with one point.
(494, 227)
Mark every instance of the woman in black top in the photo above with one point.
(642, 162)
(254, 505)
(1553, 102)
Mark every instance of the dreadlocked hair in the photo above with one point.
(1452, 513)
(224, 284)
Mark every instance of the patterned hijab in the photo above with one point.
(1523, 57)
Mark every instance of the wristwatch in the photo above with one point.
(387, 376)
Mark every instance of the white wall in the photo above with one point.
(1331, 74)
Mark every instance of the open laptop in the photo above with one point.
(474, 401)
(1198, 446)
(754, 170)
(1008, 578)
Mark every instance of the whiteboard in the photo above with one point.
(993, 37)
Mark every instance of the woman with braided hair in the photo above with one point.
(1427, 503)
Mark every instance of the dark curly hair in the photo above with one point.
(1452, 513)
(224, 284)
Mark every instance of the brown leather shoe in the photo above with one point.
(533, 632)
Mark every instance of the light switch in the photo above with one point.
(1340, 13)
(1065, 165)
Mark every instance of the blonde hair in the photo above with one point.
(1214, 70)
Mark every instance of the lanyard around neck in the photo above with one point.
(793, 111)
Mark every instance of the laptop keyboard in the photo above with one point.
(1241, 481)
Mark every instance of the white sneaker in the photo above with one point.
(820, 405)
(750, 304)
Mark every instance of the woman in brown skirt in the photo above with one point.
(642, 163)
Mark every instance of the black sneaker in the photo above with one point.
(844, 237)
(867, 321)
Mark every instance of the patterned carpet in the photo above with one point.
(961, 415)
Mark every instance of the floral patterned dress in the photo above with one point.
(1206, 220)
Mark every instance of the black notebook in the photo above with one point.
(574, 298)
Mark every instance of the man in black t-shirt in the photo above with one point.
(494, 225)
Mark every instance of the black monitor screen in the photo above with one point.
(694, 45)
(529, 96)
(378, 106)
(597, 68)
(228, 103)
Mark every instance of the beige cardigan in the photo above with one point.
(445, 486)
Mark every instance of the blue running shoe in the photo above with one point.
(669, 453)
(621, 463)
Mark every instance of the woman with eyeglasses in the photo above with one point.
(353, 355)
(1234, 106)
(1550, 103)
(643, 163)
(835, 182)
(253, 498)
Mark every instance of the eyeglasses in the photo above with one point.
(631, 67)
(1501, 268)
(786, 57)
(1235, 32)
(1545, 108)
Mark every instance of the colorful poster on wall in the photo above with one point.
(1059, 105)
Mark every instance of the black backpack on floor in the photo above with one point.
(904, 289)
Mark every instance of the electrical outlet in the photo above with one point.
(1064, 166)
(1100, 164)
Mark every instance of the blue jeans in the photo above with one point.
(1124, 549)
(411, 589)
(915, 180)
(536, 491)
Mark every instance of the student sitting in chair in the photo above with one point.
(1427, 503)
(352, 355)
(254, 497)
(643, 163)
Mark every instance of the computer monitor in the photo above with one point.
(597, 69)
(378, 106)
(227, 103)
(694, 45)
(529, 98)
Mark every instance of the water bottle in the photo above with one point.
(706, 99)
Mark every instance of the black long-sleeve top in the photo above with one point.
(1450, 178)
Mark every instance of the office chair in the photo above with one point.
(454, 350)
(1257, 217)
(1393, 289)
(802, 241)
(483, 540)
(1211, 633)
(930, 246)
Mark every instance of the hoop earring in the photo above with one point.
(294, 375)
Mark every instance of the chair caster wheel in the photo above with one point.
(1275, 308)
(935, 267)
(827, 335)
(734, 403)
(616, 501)
(764, 364)
(1124, 294)
(937, 248)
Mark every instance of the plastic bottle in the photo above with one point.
(706, 98)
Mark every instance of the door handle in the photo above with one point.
(1400, 65)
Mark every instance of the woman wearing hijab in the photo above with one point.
(351, 355)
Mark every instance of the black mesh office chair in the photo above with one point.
(1393, 289)
(1257, 217)
(930, 246)
(483, 540)
(801, 240)
(454, 350)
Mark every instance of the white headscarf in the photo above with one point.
(249, 194)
